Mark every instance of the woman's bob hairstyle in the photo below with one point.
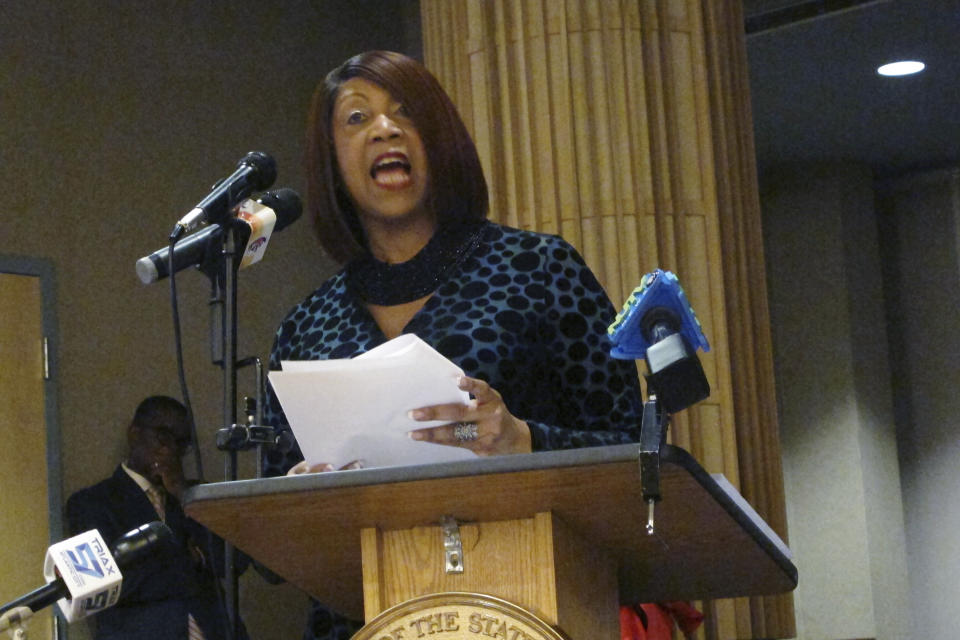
(457, 188)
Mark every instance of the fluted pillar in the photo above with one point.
(624, 126)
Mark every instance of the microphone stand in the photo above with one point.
(222, 271)
(678, 383)
(230, 412)
(232, 437)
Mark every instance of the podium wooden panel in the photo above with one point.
(538, 564)
(308, 528)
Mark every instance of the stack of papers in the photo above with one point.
(356, 409)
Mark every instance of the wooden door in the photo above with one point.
(24, 496)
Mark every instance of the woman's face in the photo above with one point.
(380, 153)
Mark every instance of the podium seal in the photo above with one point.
(456, 615)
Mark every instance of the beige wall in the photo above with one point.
(841, 474)
(115, 119)
(924, 223)
(864, 281)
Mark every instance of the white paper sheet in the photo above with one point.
(356, 409)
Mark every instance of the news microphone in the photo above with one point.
(658, 324)
(84, 576)
(271, 211)
(256, 171)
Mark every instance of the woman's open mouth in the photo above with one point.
(391, 170)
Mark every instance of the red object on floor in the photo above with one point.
(656, 621)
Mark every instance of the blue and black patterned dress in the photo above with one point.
(518, 309)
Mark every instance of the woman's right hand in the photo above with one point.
(320, 467)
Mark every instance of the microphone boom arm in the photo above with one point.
(658, 324)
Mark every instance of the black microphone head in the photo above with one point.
(285, 203)
(658, 323)
(264, 169)
(146, 538)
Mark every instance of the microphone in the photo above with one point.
(657, 323)
(83, 575)
(256, 171)
(271, 211)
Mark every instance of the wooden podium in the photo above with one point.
(560, 534)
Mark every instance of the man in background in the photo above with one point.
(167, 596)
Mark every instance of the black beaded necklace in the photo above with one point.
(380, 283)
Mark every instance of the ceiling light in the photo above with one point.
(901, 68)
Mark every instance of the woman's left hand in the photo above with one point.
(484, 426)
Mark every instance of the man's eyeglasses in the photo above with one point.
(168, 439)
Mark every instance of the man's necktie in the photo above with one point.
(158, 499)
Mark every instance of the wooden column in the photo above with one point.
(624, 126)
(754, 395)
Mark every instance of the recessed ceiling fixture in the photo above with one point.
(901, 68)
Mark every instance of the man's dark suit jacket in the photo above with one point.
(160, 590)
